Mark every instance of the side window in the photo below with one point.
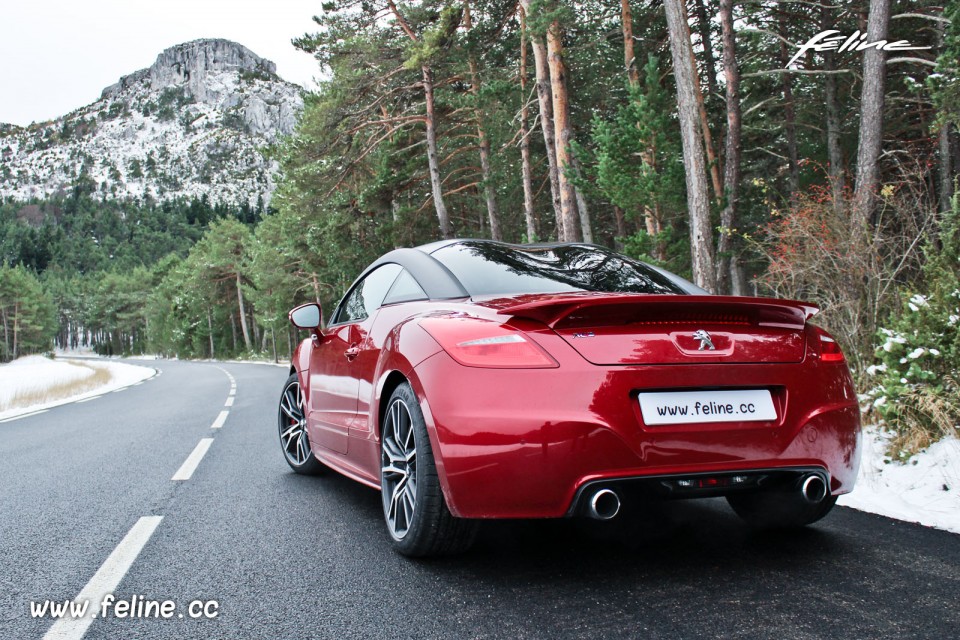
(367, 296)
(405, 289)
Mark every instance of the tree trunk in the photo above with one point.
(243, 315)
(562, 132)
(731, 172)
(946, 181)
(835, 171)
(528, 211)
(650, 157)
(6, 334)
(653, 218)
(210, 334)
(621, 222)
(585, 225)
(493, 211)
(698, 205)
(945, 165)
(629, 59)
(16, 330)
(789, 117)
(446, 230)
(709, 62)
(542, 68)
(712, 164)
(738, 280)
(871, 119)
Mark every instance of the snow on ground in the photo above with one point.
(34, 375)
(926, 489)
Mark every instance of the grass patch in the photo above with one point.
(923, 416)
(29, 398)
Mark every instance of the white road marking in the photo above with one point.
(105, 580)
(230, 401)
(119, 390)
(193, 460)
(88, 399)
(26, 415)
(233, 391)
(220, 420)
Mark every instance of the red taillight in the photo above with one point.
(829, 349)
(481, 343)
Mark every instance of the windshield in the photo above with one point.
(487, 268)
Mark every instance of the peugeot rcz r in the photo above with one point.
(470, 379)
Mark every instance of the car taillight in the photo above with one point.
(481, 343)
(829, 349)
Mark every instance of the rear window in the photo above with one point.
(495, 269)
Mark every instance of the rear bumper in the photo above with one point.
(697, 485)
(524, 443)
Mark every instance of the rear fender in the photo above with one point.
(428, 419)
(406, 346)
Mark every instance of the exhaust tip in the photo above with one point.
(604, 505)
(814, 489)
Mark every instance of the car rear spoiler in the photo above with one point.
(768, 312)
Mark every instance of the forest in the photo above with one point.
(702, 136)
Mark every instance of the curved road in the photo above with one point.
(88, 500)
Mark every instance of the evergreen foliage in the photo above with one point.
(27, 314)
(918, 388)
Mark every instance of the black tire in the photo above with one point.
(292, 427)
(779, 509)
(418, 520)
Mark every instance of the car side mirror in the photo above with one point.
(308, 316)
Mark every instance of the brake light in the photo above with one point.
(829, 349)
(482, 343)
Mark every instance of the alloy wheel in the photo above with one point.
(399, 469)
(293, 425)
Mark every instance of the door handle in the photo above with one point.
(352, 352)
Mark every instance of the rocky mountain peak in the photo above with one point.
(192, 124)
(188, 65)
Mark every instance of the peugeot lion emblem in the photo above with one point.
(706, 343)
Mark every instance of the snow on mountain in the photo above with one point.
(195, 123)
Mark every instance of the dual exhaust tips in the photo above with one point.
(604, 504)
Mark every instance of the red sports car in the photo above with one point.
(470, 379)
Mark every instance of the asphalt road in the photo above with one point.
(285, 556)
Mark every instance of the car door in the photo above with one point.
(335, 372)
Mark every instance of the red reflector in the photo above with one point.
(707, 483)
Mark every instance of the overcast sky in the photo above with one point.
(57, 55)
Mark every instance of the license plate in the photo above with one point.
(687, 407)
